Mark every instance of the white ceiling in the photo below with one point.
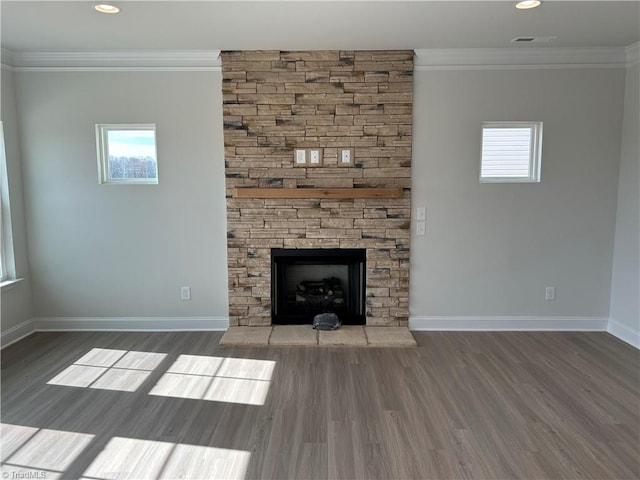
(310, 25)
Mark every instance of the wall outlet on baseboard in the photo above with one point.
(185, 293)
(550, 293)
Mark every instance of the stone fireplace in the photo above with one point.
(276, 102)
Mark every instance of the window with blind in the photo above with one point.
(511, 151)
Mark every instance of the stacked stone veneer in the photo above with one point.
(277, 101)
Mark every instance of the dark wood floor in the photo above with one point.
(461, 405)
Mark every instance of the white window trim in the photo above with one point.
(103, 153)
(535, 155)
(7, 258)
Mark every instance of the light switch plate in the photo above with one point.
(421, 213)
(300, 157)
(421, 229)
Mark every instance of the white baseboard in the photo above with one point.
(624, 333)
(508, 323)
(130, 324)
(436, 323)
(17, 333)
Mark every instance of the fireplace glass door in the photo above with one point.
(306, 282)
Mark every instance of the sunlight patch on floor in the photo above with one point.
(127, 458)
(29, 452)
(107, 369)
(233, 380)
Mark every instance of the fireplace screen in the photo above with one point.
(306, 282)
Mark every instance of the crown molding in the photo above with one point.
(7, 59)
(174, 60)
(425, 59)
(633, 54)
(520, 58)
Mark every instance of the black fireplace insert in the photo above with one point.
(306, 282)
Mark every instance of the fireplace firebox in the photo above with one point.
(306, 282)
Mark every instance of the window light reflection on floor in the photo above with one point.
(128, 458)
(109, 369)
(29, 452)
(233, 380)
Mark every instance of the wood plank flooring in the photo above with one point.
(459, 406)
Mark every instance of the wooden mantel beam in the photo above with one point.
(340, 193)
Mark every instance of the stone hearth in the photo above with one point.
(305, 336)
(276, 102)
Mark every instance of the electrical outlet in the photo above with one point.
(315, 158)
(346, 157)
(185, 293)
(550, 293)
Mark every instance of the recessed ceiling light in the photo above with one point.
(527, 4)
(106, 8)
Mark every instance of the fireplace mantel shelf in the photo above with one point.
(342, 193)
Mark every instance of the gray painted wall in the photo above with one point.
(625, 286)
(491, 249)
(15, 301)
(114, 250)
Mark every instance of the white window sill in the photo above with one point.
(9, 284)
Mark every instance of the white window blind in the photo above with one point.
(510, 152)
